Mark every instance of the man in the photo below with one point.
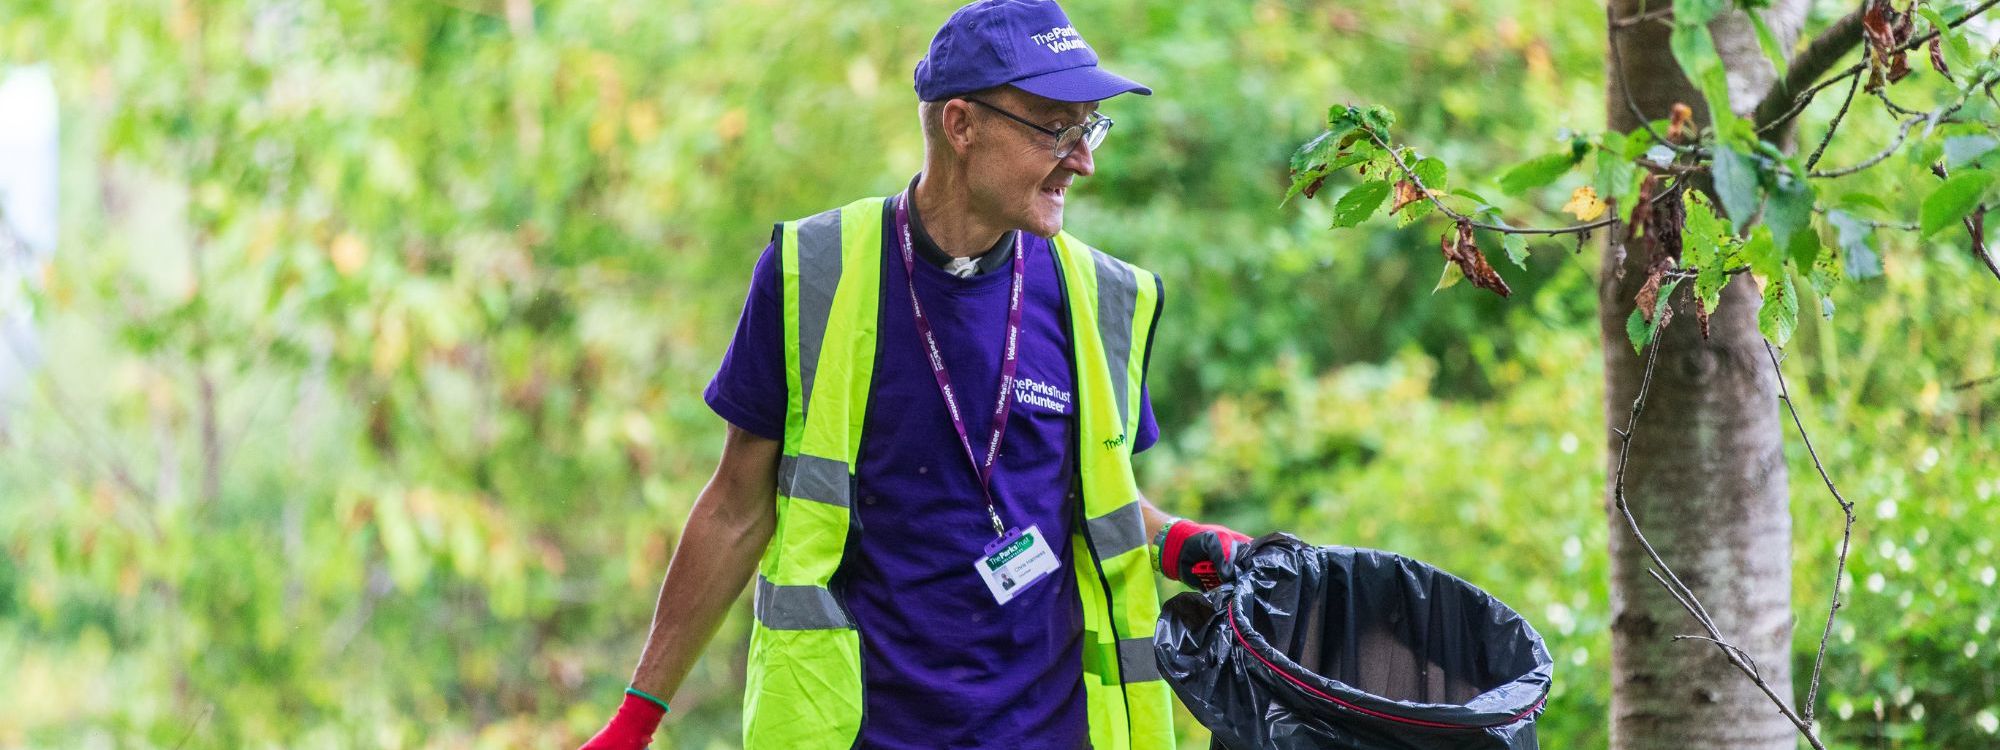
(947, 564)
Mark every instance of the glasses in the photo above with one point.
(1089, 132)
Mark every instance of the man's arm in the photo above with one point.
(725, 534)
(1156, 519)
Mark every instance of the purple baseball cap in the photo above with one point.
(1027, 43)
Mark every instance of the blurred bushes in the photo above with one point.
(376, 337)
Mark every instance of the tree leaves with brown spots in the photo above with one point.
(1460, 248)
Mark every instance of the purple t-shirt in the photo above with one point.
(943, 665)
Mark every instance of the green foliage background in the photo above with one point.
(449, 277)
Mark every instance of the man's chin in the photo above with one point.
(1046, 226)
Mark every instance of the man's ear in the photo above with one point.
(957, 121)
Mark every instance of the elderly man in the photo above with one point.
(933, 401)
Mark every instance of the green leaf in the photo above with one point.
(1953, 199)
(1965, 149)
(1709, 280)
(1517, 248)
(1788, 211)
(1860, 200)
(1857, 250)
(1537, 172)
(1698, 12)
(1804, 248)
(1301, 181)
(1638, 329)
(1375, 119)
(1736, 185)
(1766, 258)
(1694, 49)
(1483, 205)
(1780, 314)
(1614, 178)
(1360, 203)
(1701, 220)
(1768, 42)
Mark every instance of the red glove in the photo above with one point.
(631, 728)
(1199, 554)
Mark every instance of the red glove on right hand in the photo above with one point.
(631, 728)
(1199, 554)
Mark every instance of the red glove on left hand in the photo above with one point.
(631, 728)
(1199, 554)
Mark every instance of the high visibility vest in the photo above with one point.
(804, 690)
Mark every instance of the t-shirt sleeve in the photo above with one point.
(748, 389)
(1149, 431)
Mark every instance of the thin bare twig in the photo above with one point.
(1834, 125)
(1901, 136)
(1625, 88)
(1664, 573)
(1846, 531)
(1805, 98)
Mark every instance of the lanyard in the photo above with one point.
(1010, 357)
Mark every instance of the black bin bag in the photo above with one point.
(1338, 647)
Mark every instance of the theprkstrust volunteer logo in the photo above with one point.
(1041, 395)
(1060, 39)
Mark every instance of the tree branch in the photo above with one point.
(1459, 218)
(1781, 103)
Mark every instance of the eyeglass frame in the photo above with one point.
(1097, 123)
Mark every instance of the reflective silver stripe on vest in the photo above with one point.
(1136, 662)
(819, 274)
(813, 478)
(1119, 531)
(798, 607)
(1117, 294)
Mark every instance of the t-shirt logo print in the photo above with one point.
(1060, 39)
(1031, 392)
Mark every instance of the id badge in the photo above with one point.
(1016, 561)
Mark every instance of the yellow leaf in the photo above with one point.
(1584, 204)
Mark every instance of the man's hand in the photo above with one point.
(1200, 555)
(631, 728)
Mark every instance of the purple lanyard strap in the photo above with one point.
(1009, 359)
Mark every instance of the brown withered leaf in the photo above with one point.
(1678, 123)
(1937, 58)
(1313, 187)
(1664, 220)
(1459, 248)
(1701, 316)
(1886, 31)
(1649, 296)
(1642, 206)
(1406, 194)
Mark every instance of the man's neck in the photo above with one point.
(949, 219)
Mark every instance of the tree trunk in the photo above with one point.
(1706, 478)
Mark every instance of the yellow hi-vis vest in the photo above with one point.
(804, 690)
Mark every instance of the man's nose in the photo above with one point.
(1079, 160)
